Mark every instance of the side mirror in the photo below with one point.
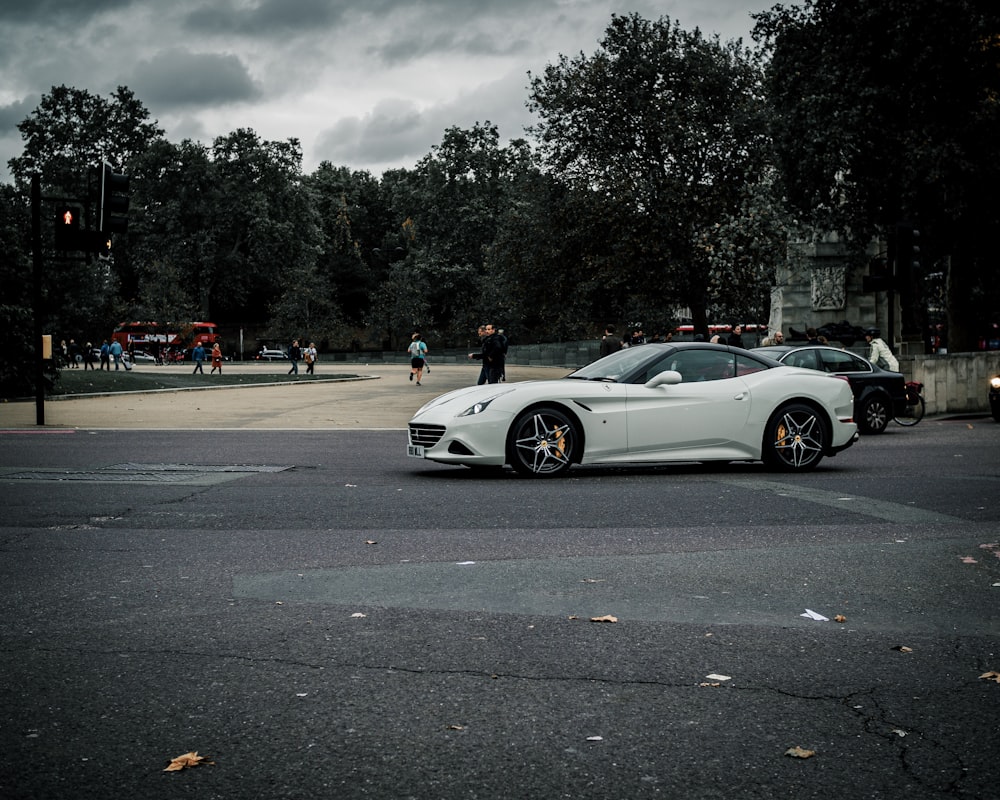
(666, 378)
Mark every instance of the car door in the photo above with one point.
(706, 412)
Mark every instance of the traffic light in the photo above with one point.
(879, 277)
(67, 227)
(907, 249)
(112, 207)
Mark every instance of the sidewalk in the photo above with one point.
(380, 397)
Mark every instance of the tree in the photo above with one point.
(886, 113)
(69, 132)
(667, 126)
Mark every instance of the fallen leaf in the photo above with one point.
(605, 618)
(191, 759)
(902, 648)
(456, 727)
(991, 676)
(705, 683)
(370, 541)
(968, 560)
(840, 618)
(799, 752)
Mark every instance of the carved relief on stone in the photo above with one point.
(828, 288)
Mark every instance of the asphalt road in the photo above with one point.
(323, 617)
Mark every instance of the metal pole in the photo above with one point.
(36, 269)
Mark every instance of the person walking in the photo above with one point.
(198, 356)
(610, 343)
(310, 358)
(88, 357)
(216, 359)
(116, 354)
(294, 354)
(492, 355)
(105, 355)
(417, 351)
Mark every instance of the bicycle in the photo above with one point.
(915, 406)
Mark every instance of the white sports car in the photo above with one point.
(687, 401)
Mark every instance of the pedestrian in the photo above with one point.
(198, 356)
(88, 357)
(294, 354)
(310, 358)
(609, 342)
(736, 337)
(880, 353)
(417, 351)
(74, 354)
(105, 355)
(216, 358)
(812, 336)
(776, 339)
(116, 354)
(481, 333)
(492, 354)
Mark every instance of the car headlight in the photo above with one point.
(480, 406)
(995, 382)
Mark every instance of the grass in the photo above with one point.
(150, 378)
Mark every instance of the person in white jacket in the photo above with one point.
(880, 353)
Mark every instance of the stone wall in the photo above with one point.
(956, 383)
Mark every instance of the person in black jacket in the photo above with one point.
(492, 355)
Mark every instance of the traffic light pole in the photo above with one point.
(36, 295)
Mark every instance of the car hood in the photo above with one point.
(461, 399)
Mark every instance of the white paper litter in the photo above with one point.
(813, 615)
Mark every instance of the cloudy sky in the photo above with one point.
(367, 84)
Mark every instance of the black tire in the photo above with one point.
(795, 439)
(875, 414)
(914, 412)
(543, 443)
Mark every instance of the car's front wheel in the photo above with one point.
(542, 442)
(795, 439)
(875, 414)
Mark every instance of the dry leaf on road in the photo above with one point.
(992, 675)
(191, 759)
(799, 752)
(605, 618)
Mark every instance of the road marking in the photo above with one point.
(856, 504)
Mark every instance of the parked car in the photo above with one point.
(272, 355)
(879, 395)
(140, 357)
(686, 401)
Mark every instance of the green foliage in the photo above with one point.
(666, 126)
(889, 111)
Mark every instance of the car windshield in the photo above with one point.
(617, 366)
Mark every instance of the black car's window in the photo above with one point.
(842, 361)
(801, 358)
(693, 365)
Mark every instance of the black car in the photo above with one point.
(879, 395)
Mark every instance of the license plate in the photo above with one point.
(415, 450)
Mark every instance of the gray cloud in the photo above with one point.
(178, 78)
(367, 85)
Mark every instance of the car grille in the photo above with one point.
(426, 435)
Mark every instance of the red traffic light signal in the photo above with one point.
(67, 227)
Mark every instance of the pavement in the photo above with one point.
(376, 397)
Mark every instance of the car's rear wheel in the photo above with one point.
(542, 442)
(795, 439)
(875, 414)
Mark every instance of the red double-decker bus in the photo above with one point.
(156, 338)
